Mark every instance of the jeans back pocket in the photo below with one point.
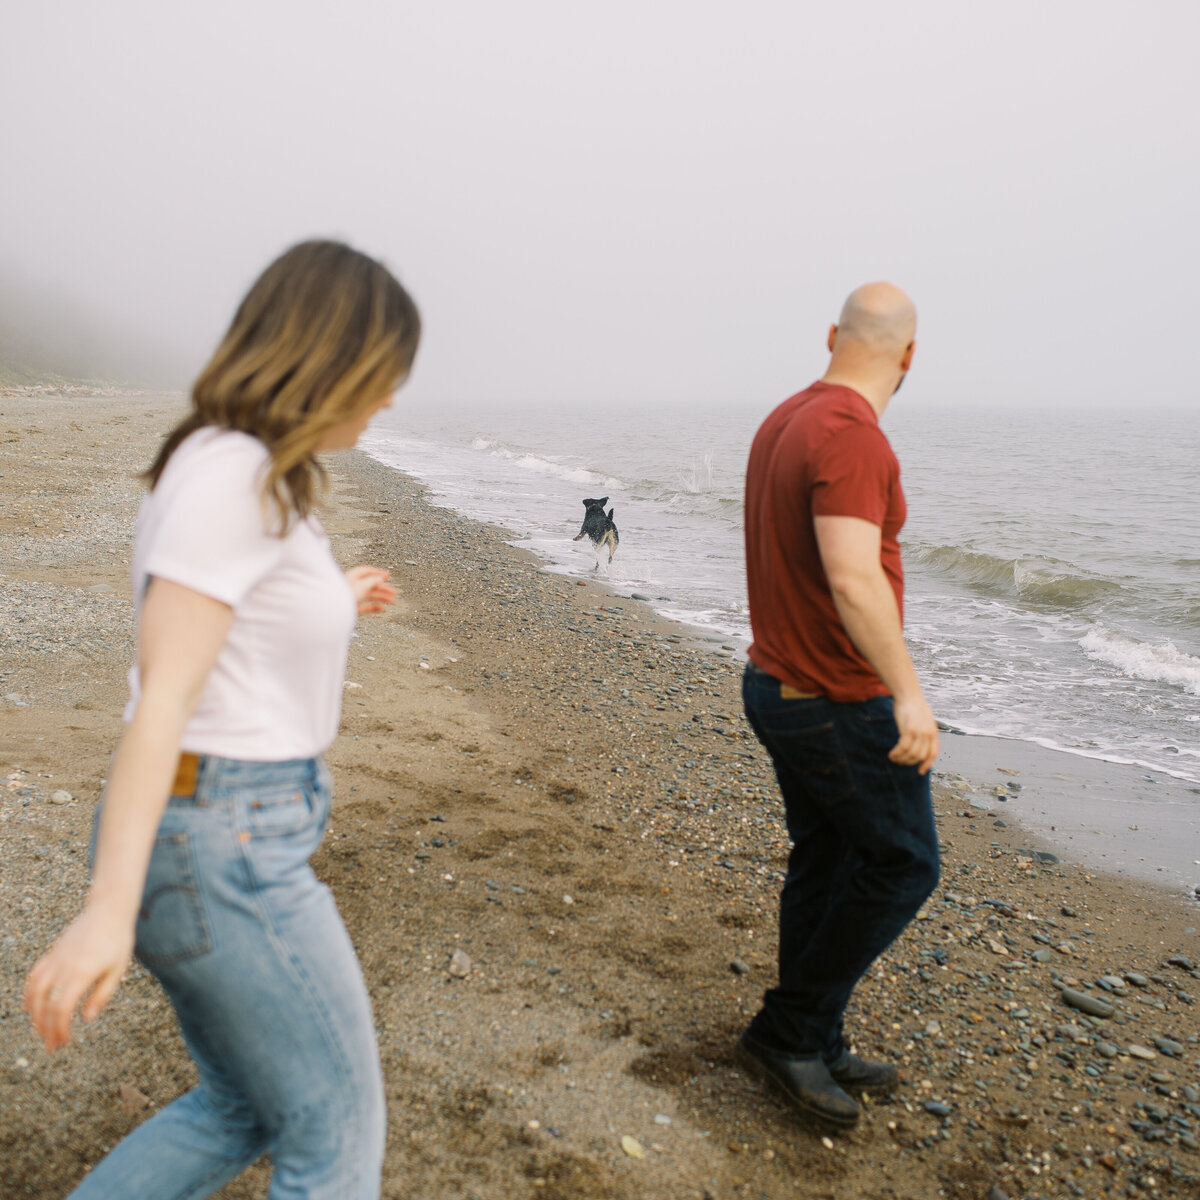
(279, 813)
(172, 925)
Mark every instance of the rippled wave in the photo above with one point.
(1035, 579)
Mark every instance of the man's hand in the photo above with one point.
(371, 589)
(918, 742)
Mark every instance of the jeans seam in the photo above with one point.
(280, 945)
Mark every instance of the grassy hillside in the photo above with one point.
(46, 338)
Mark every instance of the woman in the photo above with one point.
(217, 795)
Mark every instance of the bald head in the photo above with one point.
(879, 316)
(872, 343)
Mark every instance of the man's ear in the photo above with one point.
(832, 338)
(906, 361)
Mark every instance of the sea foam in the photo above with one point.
(1156, 663)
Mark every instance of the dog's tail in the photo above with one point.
(610, 513)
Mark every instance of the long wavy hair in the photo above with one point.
(324, 333)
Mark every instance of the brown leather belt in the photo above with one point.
(787, 692)
(185, 775)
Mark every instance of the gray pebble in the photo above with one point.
(1070, 1032)
(1092, 1005)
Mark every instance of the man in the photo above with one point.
(831, 692)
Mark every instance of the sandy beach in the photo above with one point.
(557, 847)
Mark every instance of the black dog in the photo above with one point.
(599, 528)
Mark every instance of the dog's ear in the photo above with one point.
(588, 503)
(602, 501)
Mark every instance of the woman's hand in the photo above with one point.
(88, 960)
(371, 589)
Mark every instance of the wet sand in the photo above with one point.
(559, 784)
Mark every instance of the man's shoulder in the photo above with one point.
(821, 416)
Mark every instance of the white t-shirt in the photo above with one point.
(275, 691)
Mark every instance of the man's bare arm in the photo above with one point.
(850, 554)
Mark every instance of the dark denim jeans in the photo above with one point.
(864, 857)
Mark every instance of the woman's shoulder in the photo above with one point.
(225, 455)
(213, 444)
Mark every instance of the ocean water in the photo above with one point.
(1052, 560)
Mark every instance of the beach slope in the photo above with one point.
(557, 848)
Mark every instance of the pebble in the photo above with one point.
(738, 967)
(131, 1098)
(632, 1147)
(1136, 979)
(60, 797)
(460, 964)
(1169, 1047)
(1092, 1005)
(1143, 1052)
(1107, 1050)
(937, 1108)
(1070, 1032)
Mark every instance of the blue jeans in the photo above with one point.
(250, 949)
(864, 856)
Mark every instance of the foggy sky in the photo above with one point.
(658, 201)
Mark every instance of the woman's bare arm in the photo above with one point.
(181, 632)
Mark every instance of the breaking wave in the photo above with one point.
(545, 466)
(1162, 662)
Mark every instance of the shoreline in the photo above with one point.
(1077, 804)
(558, 783)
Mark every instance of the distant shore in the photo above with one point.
(70, 389)
(559, 783)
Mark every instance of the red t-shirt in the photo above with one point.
(819, 454)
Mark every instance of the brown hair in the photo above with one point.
(323, 333)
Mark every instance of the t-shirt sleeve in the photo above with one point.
(854, 475)
(212, 534)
